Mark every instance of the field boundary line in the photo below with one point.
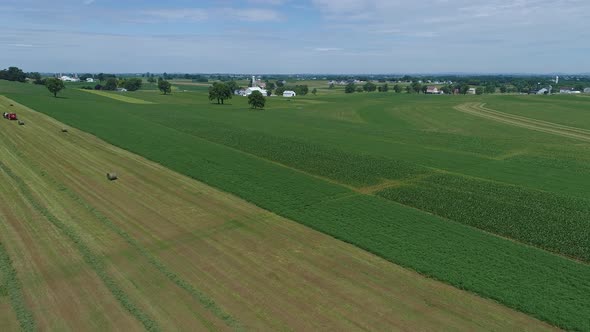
(94, 261)
(549, 128)
(125, 99)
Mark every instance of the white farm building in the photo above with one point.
(69, 79)
(251, 89)
(289, 94)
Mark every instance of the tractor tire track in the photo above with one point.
(523, 122)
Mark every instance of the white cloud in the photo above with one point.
(327, 49)
(191, 14)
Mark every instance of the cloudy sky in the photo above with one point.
(296, 36)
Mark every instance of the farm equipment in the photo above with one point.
(9, 116)
(112, 176)
(21, 123)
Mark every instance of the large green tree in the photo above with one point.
(54, 85)
(256, 100)
(369, 87)
(13, 74)
(164, 86)
(350, 88)
(397, 88)
(111, 84)
(220, 92)
(132, 84)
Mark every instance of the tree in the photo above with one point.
(369, 87)
(416, 87)
(409, 89)
(54, 85)
(385, 88)
(256, 100)
(36, 77)
(503, 89)
(111, 84)
(424, 88)
(14, 74)
(490, 88)
(151, 79)
(331, 86)
(397, 88)
(164, 86)
(464, 88)
(359, 89)
(280, 84)
(314, 91)
(300, 90)
(100, 77)
(132, 84)
(220, 91)
(479, 90)
(350, 88)
(579, 87)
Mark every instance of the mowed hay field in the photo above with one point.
(156, 250)
(489, 206)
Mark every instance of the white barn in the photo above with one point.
(69, 79)
(249, 91)
(289, 94)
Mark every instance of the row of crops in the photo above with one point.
(345, 167)
(531, 280)
(547, 220)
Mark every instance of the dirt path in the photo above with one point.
(480, 110)
(188, 256)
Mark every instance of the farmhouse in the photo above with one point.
(471, 91)
(289, 94)
(543, 91)
(251, 89)
(69, 79)
(432, 90)
(90, 80)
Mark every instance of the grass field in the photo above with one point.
(156, 250)
(410, 178)
(117, 96)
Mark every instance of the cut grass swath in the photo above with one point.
(13, 290)
(95, 261)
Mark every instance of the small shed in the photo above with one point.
(289, 94)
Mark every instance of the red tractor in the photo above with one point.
(10, 116)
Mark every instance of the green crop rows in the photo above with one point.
(555, 222)
(532, 280)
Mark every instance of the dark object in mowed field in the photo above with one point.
(64, 130)
(11, 104)
(22, 123)
(112, 176)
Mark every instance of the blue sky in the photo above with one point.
(296, 36)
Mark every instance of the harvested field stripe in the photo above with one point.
(515, 120)
(14, 290)
(201, 297)
(205, 300)
(90, 258)
(125, 99)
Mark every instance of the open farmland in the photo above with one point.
(409, 178)
(156, 250)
